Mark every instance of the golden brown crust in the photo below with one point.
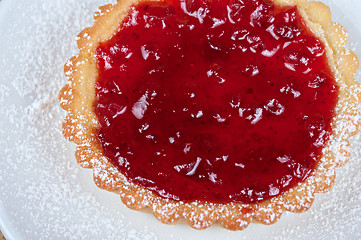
(80, 126)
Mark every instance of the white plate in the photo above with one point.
(45, 195)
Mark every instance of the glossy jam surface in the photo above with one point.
(220, 101)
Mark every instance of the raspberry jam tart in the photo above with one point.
(227, 111)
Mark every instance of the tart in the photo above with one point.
(227, 111)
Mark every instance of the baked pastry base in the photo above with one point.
(81, 124)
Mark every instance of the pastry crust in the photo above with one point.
(81, 124)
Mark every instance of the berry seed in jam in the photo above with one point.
(219, 101)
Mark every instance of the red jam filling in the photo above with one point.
(219, 101)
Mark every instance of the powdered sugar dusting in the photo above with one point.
(47, 196)
(40, 186)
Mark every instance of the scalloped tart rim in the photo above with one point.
(80, 126)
